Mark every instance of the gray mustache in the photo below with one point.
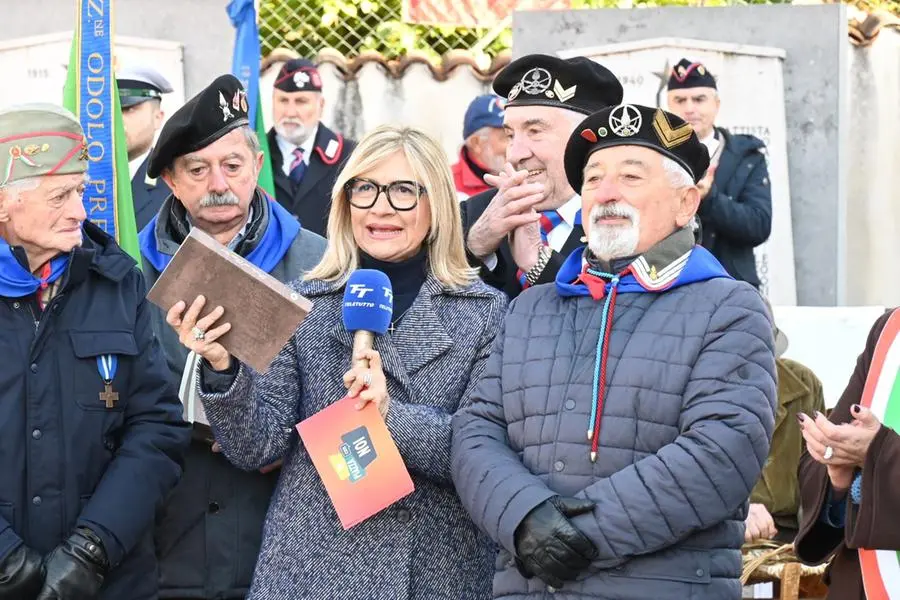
(214, 199)
(611, 210)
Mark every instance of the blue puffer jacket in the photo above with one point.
(686, 426)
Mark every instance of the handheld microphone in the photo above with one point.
(367, 308)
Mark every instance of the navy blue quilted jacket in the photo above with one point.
(686, 427)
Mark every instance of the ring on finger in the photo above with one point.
(199, 334)
(829, 452)
(367, 380)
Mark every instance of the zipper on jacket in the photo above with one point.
(40, 322)
(34, 318)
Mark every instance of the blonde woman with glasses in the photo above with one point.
(394, 209)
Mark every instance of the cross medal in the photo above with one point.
(109, 396)
(107, 364)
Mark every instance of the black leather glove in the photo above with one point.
(549, 547)
(20, 574)
(76, 568)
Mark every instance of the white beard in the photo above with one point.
(299, 134)
(608, 242)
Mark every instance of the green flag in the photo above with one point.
(266, 179)
(92, 95)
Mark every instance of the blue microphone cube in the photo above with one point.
(368, 302)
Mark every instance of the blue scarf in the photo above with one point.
(17, 282)
(701, 265)
(280, 233)
(574, 279)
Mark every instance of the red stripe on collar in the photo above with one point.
(337, 154)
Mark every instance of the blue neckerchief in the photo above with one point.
(573, 280)
(701, 265)
(17, 282)
(280, 233)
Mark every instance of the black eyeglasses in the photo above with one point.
(401, 195)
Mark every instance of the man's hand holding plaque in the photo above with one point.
(200, 335)
(262, 312)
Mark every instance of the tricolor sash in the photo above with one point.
(881, 568)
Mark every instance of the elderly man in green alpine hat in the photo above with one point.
(91, 434)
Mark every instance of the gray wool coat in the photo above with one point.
(423, 547)
(685, 430)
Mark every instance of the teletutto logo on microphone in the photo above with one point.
(361, 295)
(368, 301)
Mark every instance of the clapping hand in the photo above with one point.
(510, 208)
(841, 448)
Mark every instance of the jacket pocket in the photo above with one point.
(677, 564)
(89, 389)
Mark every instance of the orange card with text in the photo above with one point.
(356, 458)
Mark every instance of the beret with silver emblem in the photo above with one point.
(202, 120)
(299, 75)
(40, 139)
(579, 83)
(635, 125)
(139, 83)
(687, 74)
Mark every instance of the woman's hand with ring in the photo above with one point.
(849, 442)
(368, 384)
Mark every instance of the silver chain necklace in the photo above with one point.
(394, 322)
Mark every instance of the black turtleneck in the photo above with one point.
(407, 277)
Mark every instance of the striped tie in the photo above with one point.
(298, 166)
(549, 220)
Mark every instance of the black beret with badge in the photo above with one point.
(635, 125)
(202, 120)
(687, 74)
(299, 75)
(578, 84)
